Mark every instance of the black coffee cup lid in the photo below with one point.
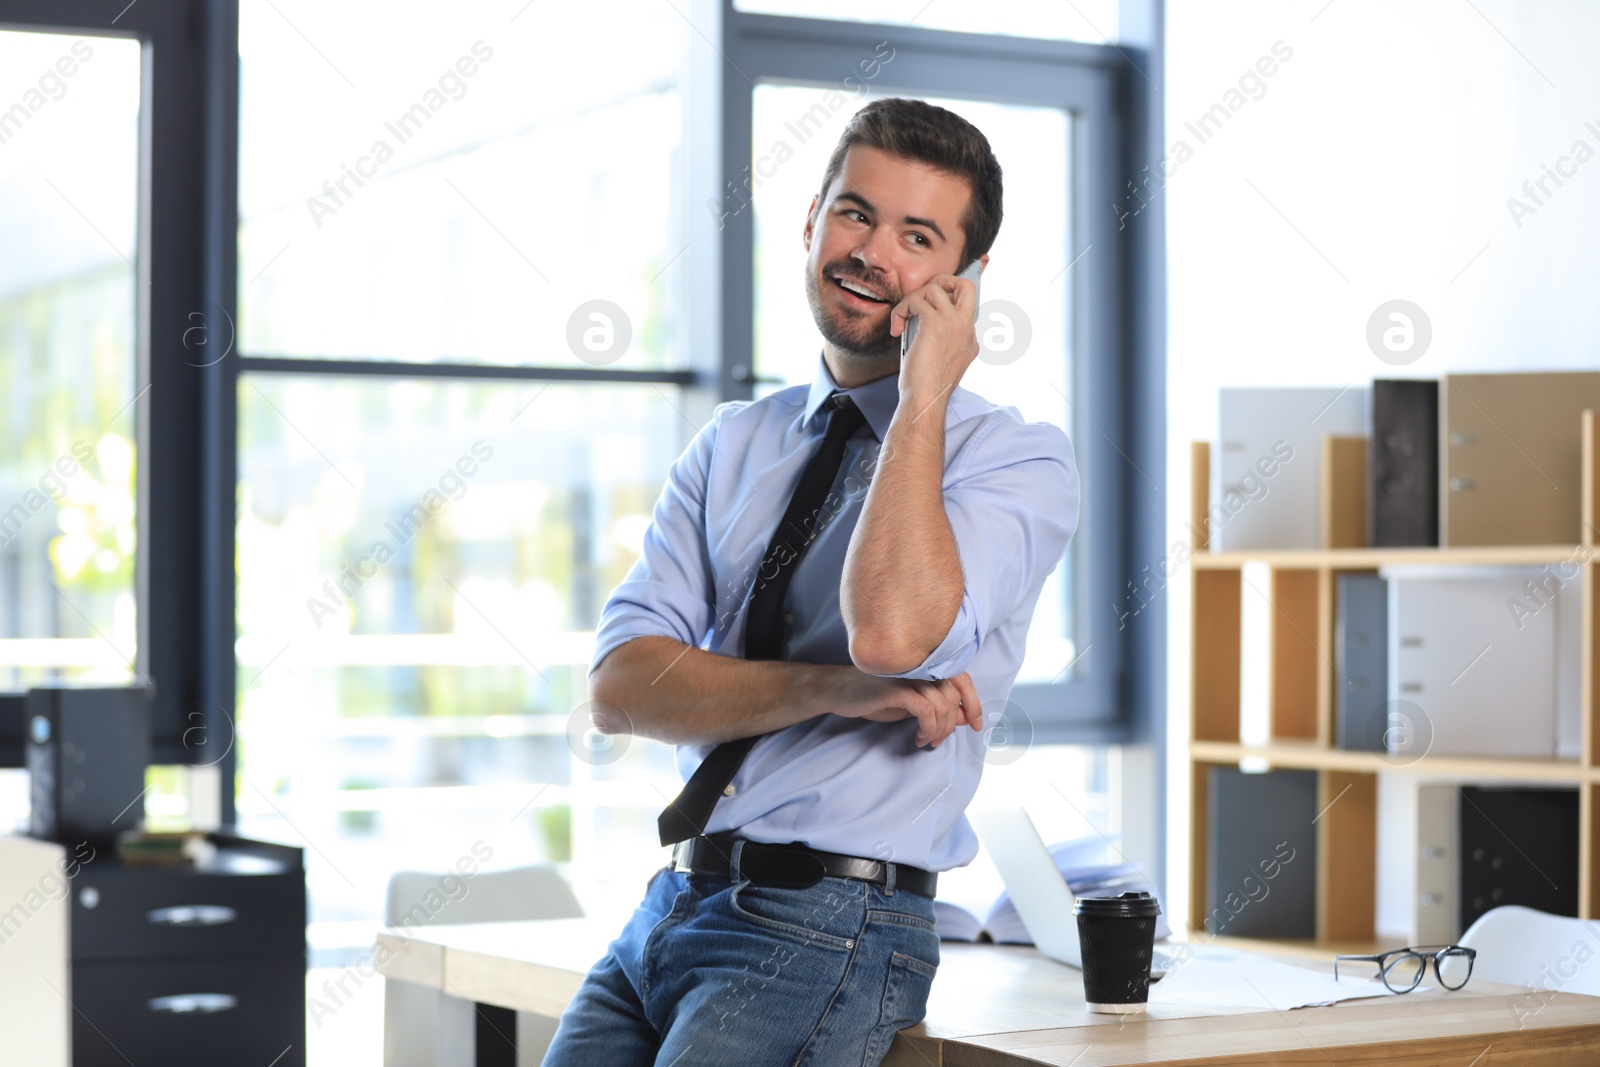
(1126, 906)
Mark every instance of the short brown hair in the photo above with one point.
(916, 129)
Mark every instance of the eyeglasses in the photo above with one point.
(1402, 969)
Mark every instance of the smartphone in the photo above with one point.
(910, 332)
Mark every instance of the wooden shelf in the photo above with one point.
(1356, 559)
(1314, 757)
(1303, 591)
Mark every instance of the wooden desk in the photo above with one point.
(997, 1006)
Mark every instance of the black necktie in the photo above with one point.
(687, 815)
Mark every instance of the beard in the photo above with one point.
(854, 334)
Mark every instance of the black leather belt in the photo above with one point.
(793, 866)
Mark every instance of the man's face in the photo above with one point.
(885, 227)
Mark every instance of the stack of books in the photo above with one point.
(191, 848)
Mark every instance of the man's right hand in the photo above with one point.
(940, 708)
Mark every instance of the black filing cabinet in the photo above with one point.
(191, 966)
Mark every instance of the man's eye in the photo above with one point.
(919, 238)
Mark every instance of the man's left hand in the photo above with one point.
(946, 341)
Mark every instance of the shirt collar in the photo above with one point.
(877, 399)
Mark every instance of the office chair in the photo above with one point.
(1521, 946)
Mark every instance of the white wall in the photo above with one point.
(1376, 165)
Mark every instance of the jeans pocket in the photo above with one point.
(903, 919)
(822, 915)
(905, 1002)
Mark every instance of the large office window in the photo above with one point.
(478, 316)
(69, 314)
(1053, 307)
(104, 316)
(69, 317)
(369, 375)
(458, 283)
(1025, 294)
(1051, 316)
(421, 567)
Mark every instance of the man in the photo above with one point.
(836, 580)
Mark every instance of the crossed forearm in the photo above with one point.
(902, 575)
(660, 688)
(663, 689)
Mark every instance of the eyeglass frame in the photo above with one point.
(1415, 950)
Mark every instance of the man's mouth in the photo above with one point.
(859, 290)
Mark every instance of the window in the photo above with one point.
(406, 230)
(1025, 290)
(107, 299)
(463, 377)
(1051, 111)
(421, 568)
(69, 315)
(456, 238)
(434, 184)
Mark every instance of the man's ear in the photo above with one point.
(811, 222)
(984, 259)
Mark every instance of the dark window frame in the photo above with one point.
(182, 45)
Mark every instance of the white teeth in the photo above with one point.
(858, 289)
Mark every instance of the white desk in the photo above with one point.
(997, 1006)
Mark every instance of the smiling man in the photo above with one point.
(837, 580)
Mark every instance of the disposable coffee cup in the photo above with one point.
(1117, 936)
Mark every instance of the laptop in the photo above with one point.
(1044, 900)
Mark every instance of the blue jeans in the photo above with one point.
(713, 972)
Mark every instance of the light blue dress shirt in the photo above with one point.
(840, 784)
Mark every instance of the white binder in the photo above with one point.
(1252, 508)
(1478, 677)
(1419, 869)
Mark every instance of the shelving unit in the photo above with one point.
(1302, 687)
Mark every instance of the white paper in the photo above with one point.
(1222, 978)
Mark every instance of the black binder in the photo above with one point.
(1518, 846)
(1403, 490)
(1361, 659)
(1261, 869)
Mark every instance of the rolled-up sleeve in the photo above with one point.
(669, 591)
(1012, 501)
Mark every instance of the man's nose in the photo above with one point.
(875, 249)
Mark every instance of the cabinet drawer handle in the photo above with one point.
(194, 1003)
(192, 915)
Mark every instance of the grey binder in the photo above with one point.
(1361, 659)
(1261, 874)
